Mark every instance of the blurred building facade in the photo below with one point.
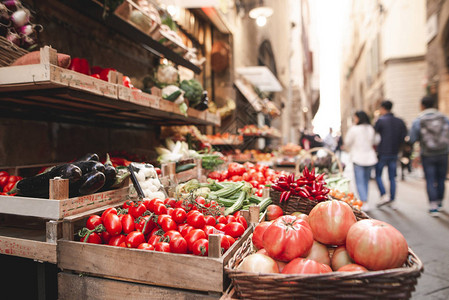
(383, 57)
(437, 39)
(289, 35)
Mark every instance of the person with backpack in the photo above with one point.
(392, 131)
(431, 129)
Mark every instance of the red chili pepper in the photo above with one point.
(277, 188)
(291, 178)
(287, 196)
(320, 177)
(281, 198)
(320, 198)
(301, 182)
(305, 172)
(80, 65)
(284, 185)
(312, 173)
(303, 194)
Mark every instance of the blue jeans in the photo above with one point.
(391, 162)
(435, 169)
(361, 180)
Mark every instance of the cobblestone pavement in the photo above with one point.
(427, 236)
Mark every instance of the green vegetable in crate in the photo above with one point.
(193, 91)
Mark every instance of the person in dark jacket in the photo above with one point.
(392, 131)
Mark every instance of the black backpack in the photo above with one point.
(434, 134)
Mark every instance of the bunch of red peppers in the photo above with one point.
(308, 186)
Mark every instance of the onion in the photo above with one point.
(12, 4)
(26, 30)
(20, 17)
(259, 263)
(13, 38)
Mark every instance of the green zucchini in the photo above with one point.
(185, 167)
(228, 191)
(237, 205)
(173, 96)
(264, 204)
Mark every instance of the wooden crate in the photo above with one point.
(29, 237)
(149, 267)
(73, 286)
(58, 209)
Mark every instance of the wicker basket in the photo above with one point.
(396, 283)
(296, 203)
(9, 52)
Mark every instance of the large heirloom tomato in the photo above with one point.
(340, 258)
(258, 234)
(319, 253)
(288, 238)
(330, 222)
(376, 245)
(305, 266)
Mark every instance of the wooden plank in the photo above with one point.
(74, 286)
(28, 249)
(53, 231)
(59, 189)
(159, 268)
(29, 74)
(57, 209)
(83, 82)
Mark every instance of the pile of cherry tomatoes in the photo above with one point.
(258, 175)
(168, 225)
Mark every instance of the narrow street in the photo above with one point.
(427, 236)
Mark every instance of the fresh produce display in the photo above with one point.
(309, 186)
(179, 150)
(339, 183)
(258, 175)
(225, 138)
(254, 130)
(346, 197)
(321, 160)
(86, 176)
(233, 196)
(7, 183)
(290, 149)
(170, 225)
(308, 246)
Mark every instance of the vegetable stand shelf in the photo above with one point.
(94, 10)
(46, 87)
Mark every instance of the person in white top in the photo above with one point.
(359, 142)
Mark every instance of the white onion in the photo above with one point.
(20, 18)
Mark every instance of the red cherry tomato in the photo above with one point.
(186, 229)
(179, 215)
(230, 219)
(162, 247)
(208, 229)
(234, 229)
(178, 245)
(145, 225)
(128, 224)
(201, 247)
(137, 210)
(210, 220)
(196, 220)
(152, 203)
(224, 243)
(193, 236)
(93, 221)
(220, 226)
(229, 238)
(117, 240)
(107, 211)
(160, 209)
(128, 204)
(9, 186)
(112, 224)
(134, 239)
(172, 234)
(93, 238)
(145, 246)
(154, 239)
(170, 202)
(166, 223)
(222, 220)
(242, 221)
(106, 237)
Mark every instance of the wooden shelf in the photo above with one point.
(50, 91)
(95, 10)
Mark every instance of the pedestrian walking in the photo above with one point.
(329, 141)
(431, 129)
(392, 131)
(359, 142)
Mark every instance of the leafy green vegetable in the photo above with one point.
(193, 91)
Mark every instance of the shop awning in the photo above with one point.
(261, 77)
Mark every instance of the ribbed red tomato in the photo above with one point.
(288, 238)
(319, 253)
(305, 266)
(376, 245)
(330, 222)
